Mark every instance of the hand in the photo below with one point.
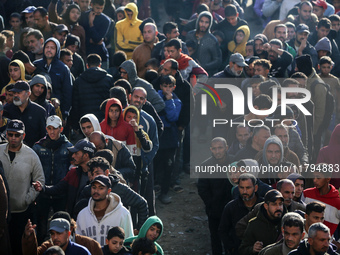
(168, 95)
(37, 186)
(134, 124)
(303, 44)
(92, 15)
(257, 246)
(29, 228)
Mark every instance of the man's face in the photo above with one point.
(166, 70)
(249, 50)
(14, 72)
(299, 185)
(98, 143)
(87, 128)
(54, 133)
(149, 34)
(173, 53)
(283, 135)
(97, 171)
(287, 191)
(260, 70)
(20, 97)
(322, 32)
(97, 9)
(115, 244)
(242, 135)
(218, 150)
(291, 33)
(236, 69)
(73, 48)
(232, 20)
(129, 14)
(249, 70)
(10, 42)
(305, 13)
(247, 189)
(84, 5)
(173, 34)
(322, 53)
(325, 68)
(60, 239)
(261, 137)
(15, 22)
(320, 181)
(67, 60)
(99, 192)
(318, 11)
(14, 139)
(153, 233)
(204, 24)
(314, 217)
(138, 98)
(274, 209)
(29, 18)
(320, 243)
(292, 236)
(39, 21)
(37, 89)
(336, 25)
(124, 74)
(272, 55)
(114, 113)
(256, 89)
(301, 37)
(61, 37)
(50, 50)
(258, 47)
(273, 154)
(78, 158)
(281, 34)
(35, 45)
(9, 97)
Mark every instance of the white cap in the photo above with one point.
(53, 121)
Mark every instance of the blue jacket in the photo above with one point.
(73, 248)
(54, 158)
(61, 79)
(169, 116)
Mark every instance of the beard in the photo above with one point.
(235, 72)
(248, 198)
(17, 101)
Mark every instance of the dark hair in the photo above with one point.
(132, 110)
(116, 231)
(168, 79)
(334, 17)
(100, 162)
(118, 58)
(93, 60)
(175, 43)
(124, 84)
(247, 176)
(65, 52)
(119, 93)
(276, 42)
(202, 8)
(265, 63)
(22, 56)
(257, 129)
(54, 250)
(151, 75)
(263, 102)
(84, 120)
(250, 43)
(152, 62)
(143, 245)
(36, 33)
(99, 2)
(283, 181)
(105, 153)
(174, 63)
(191, 44)
(325, 60)
(43, 12)
(14, 64)
(299, 75)
(292, 219)
(66, 15)
(220, 34)
(168, 27)
(289, 81)
(9, 87)
(324, 22)
(278, 26)
(315, 206)
(230, 10)
(15, 15)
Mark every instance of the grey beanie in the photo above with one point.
(38, 79)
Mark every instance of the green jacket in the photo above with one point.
(142, 233)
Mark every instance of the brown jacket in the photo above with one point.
(140, 56)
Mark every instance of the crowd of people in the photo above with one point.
(98, 102)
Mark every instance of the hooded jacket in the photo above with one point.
(208, 51)
(272, 140)
(332, 202)
(323, 44)
(90, 89)
(304, 246)
(152, 96)
(142, 233)
(123, 131)
(127, 33)
(115, 215)
(94, 121)
(61, 78)
(22, 74)
(240, 48)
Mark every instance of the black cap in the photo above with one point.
(20, 86)
(61, 28)
(272, 196)
(103, 180)
(72, 40)
(16, 126)
(83, 145)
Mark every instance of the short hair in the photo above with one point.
(315, 206)
(9, 87)
(265, 63)
(305, 3)
(283, 181)
(219, 139)
(250, 43)
(289, 81)
(15, 15)
(174, 63)
(247, 176)
(140, 88)
(314, 228)
(168, 79)
(65, 52)
(93, 60)
(151, 75)
(133, 110)
(105, 153)
(230, 10)
(280, 126)
(118, 58)
(116, 231)
(278, 26)
(290, 24)
(36, 33)
(99, 2)
(7, 33)
(119, 93)
(325, 60)
(124, 84)
(299, 75)
(84, 120)
(324, 22)
(334, 17)
(191, 44)
(263, 102)
(100, 162)
(168, 27)
(22, 56)
(202, 8)
(220, 34)
(13, 63)
(174, 43)
(242, 126)
(292, 219)
(2, 41)
(152, 62)
(54, 250)
(43, 12)
(143, 245)
(276, 42)
(256, 130)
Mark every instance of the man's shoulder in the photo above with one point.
(36, 107)
(77, 249)
(273, 249)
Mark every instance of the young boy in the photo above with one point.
(241, 37)
(143, 246)
(168, 143)
(9, 42)
(152, 230)
(114, 242)
(16, 22)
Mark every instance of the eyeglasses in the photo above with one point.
(13, 134)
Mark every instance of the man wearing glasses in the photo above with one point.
(22, 168)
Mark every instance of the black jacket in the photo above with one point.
(304, 246)
(246, 152)
(310, 50)
(78, 66)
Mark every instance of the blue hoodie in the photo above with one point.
(61, 78)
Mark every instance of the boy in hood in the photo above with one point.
(16, 70)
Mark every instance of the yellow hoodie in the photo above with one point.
(239, 48)
(22, 73)
(127, 33)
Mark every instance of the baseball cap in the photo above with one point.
(20, 86)
(61, 28)
(272, 196)
(320, 3)
(29, 9)
(103, 180)
(16, 126)
(53, 121)
(238, 59)
(59, 225)
(83, 145)
(301, 28)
